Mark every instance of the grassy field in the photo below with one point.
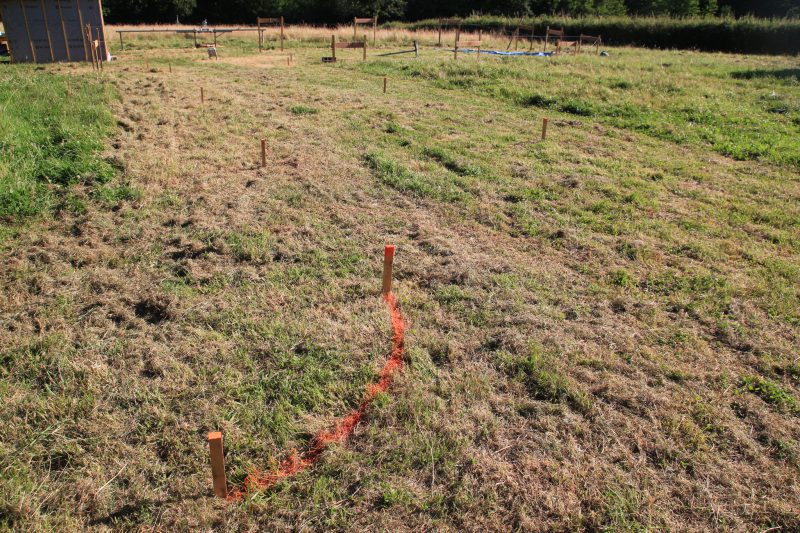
(604, 326)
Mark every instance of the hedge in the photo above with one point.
(744, 35)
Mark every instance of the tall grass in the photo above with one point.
(745, 35)
(51, 134)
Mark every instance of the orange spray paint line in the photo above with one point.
(344, 427)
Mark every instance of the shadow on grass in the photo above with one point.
(781, 74)
(131, 511)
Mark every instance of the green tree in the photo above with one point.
(610, 8)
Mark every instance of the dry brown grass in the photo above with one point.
(540, 394)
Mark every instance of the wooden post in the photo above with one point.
(365, 47)
(288, 62)
(28, 31)
(64, 31)
(202, 96)
(88, 32)
(544, 128)
(47, 30)
(333, 47)
(121, 44)
(83, 35)
(388, 259)
(217, 464)
(100, 48)
(440, 35)
(384, 84)
(263, 153)
(170, 67)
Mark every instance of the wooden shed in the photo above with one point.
(48, 31)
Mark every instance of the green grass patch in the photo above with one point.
(52, 130)
(772, 393)
(397, 176)
(303, 110)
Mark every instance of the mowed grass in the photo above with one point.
(604, 325)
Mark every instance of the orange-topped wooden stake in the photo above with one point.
(388, 260)
(217, 464)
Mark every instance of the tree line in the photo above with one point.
(333, 11)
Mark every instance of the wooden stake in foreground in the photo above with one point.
(263, 153)
(384, 85)
(170, 68)
(217, 464)
(388, 259)
(202, 96)
(544, 128)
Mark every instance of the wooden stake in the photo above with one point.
(202, 96)
(263, 153)
(288, 62)
(388, 259)
(384, 85)
(63, 30)
(83, 37)
(544, 128)
(101, 48)
(217, 464)
(28, 31)
(170, 67)
(47, 30)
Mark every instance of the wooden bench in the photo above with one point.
(560, 41)
(448, 23)
(365, 22)
(352, 44)
(591, 40)
(466, 44)
(266, 22)
(515, 37)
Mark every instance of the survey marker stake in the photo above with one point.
(263, 153)
(544, 128)
(388, 259)
(217, 464)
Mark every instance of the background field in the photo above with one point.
(604, 326)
